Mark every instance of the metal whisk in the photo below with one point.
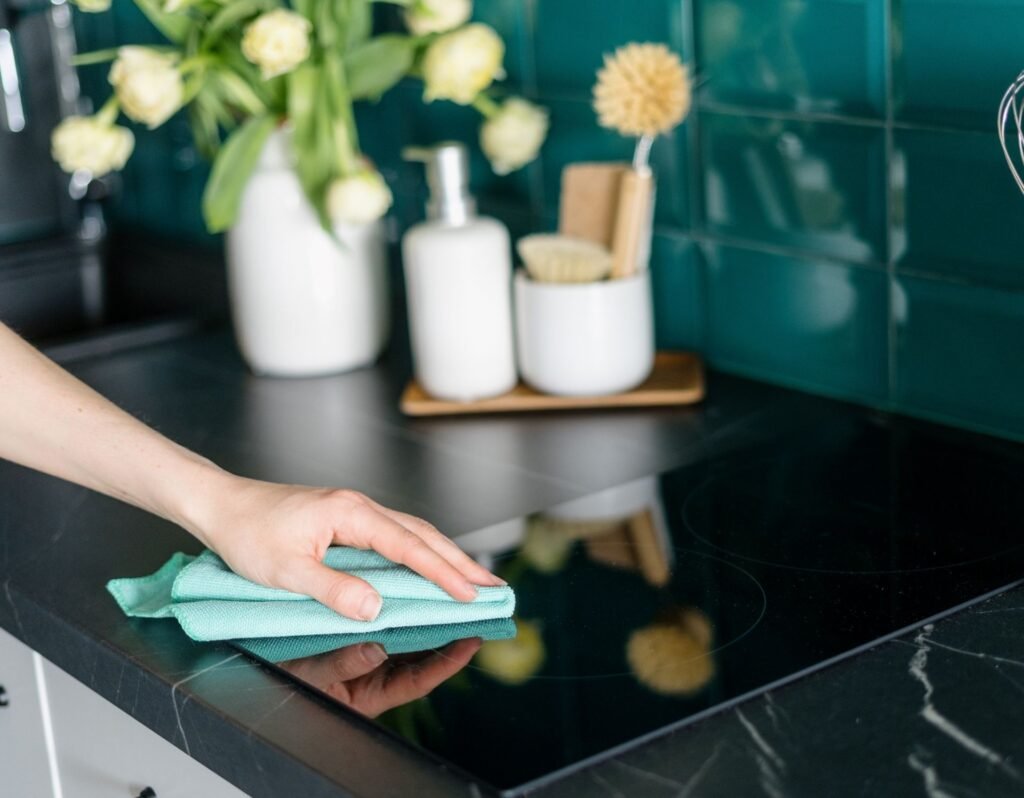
(1011, 123)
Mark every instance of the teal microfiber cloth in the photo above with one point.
(406, 640)
(211, 602)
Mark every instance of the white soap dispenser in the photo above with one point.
(458, 274)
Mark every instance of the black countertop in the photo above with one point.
(936, 712)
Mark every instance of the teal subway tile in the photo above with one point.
(953, 60)
(511, 19)
(815, 324)
(132, 26)
(163, 182)
(813, 186)
(94, 31)
(827, 56)
(575, 136)
(678, 288)
(958, 354)
(381, 137)
(190, 172)
(958, 210)
(519, 219)
(571, 39)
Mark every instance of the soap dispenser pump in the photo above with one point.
(458, 274)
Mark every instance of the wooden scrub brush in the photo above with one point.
(551, 258)
(642, 91)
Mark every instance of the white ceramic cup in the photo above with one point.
(585, 339)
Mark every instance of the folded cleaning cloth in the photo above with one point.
(406, 640)
(211, 602)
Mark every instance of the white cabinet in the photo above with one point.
(59, 739)
(103, 752)
(24, 761)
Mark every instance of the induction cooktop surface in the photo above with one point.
(652, 604)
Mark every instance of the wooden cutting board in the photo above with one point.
(677, 379)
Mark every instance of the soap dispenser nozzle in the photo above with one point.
(447, 167)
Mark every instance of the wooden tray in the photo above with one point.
(677, 379)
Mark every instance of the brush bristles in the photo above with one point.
(642, 90)
(553, 258)
(673, 656)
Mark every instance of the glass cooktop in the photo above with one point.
(652, 604)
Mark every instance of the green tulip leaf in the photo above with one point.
(231, 170)
(230, 16)
(175, 27)
(359, 24)
(376, 66)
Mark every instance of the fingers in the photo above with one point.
(415, 681)
(345, 594)
(352, 662)
(410, 681)
(443, 545)
(376, 530)
(343, 665)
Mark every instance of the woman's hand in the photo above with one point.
(277, 535)
(363, 677)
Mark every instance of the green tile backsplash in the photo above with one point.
(815, 324)
(835, 215)
(958, 353)
(956, 213)
(794, 54)
(571, 36)
(813, 186)
(954, 58)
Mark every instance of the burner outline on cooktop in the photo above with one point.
(711, 653)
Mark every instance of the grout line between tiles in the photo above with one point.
(770, 249)
(892, 8)
(824, 117)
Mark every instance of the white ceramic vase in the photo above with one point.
(302, 304)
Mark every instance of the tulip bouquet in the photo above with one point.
(244, 67)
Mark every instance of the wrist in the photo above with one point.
(199, 497)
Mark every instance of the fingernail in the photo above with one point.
(374, 653)
(500, 582)
(370, 606)
(470, 591)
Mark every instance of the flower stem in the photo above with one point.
(195, 62)
(108, 113)
(486, 106)
(346, 136)
(346, 152)
(95, 57)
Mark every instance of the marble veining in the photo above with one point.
(918, 671)
(694, 782)
(179, 709)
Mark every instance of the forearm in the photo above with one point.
(272, 534)
(52, 422)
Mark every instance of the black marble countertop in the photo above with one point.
(936, 713)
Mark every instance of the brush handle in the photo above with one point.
(648, 548)
(632, 220)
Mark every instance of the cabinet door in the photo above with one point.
(24, 764)
(103, 752)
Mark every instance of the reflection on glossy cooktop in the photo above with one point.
(647, 606)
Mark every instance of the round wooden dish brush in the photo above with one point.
(551, 258)
(642, 91)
